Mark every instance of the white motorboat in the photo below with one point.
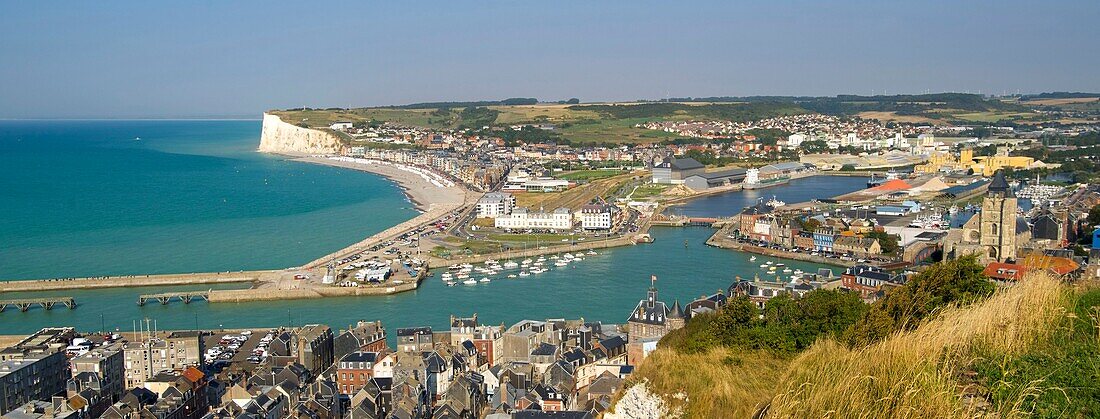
(469, 282)
(524, 273)
(485, 280)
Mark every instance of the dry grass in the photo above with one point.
(735, 383)
(924, 373)
(920, 374)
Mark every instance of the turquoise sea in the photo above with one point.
(604, 287)
(86, 198)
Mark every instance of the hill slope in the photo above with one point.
(1028, 350)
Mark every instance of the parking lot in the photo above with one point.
(242, 350)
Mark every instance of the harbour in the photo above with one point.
(601, 287)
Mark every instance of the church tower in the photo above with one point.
(998, 221)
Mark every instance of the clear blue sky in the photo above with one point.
(154, 59)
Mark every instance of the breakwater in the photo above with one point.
(132, 281)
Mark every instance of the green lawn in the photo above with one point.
(589, 175)
(647, 191)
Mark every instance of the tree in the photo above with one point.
(959, 281)
(572, 101)
(1094, 216)
(887, 241)
(848, 168)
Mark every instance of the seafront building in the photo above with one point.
(524, 219)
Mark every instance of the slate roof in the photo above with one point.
(999, 185)
(685, 164)
(360, 357)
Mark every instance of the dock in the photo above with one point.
(25, 304)
(166, 297)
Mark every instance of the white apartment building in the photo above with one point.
(599, 216)
(523, 219)
(495, 204)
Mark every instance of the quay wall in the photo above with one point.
(131, 281)
(720, 240)
(277, 136)
(267, 294)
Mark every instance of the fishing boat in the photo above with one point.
(764, 266)
(469, 282)
(752, 259)
(450, 283)
(511, 275)
(454, 267)
(561, 263)
(510, 265)
(462, 276)
(524, 274)
(486, 280)
(527, 261)
(787, 271)
(591, 252)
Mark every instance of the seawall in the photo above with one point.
(281, 137)
(131, 281)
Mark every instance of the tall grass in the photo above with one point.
(921, 373)
(720, 382)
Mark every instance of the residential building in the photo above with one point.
(39, 375)
(175, 351)
(857, 246)
(364, 336)
(414, 339)
(495, 204)
(600, 215)
(868, 280)
(355, 371)
(99, 377)
(315, 347)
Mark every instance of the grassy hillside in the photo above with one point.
(1025, 351)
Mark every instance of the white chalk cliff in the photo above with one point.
(280, 137)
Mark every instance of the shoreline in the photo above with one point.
(420, 192)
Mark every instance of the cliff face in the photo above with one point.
(280, 137)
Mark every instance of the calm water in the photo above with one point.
(603, 287)
(83, 198)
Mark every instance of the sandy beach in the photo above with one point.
(424, 194)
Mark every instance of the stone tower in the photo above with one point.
(998, 221)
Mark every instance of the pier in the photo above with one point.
(46, 303)
(166, 297)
